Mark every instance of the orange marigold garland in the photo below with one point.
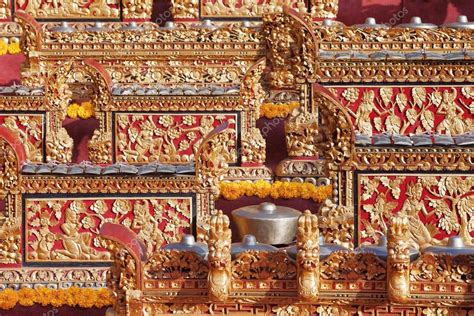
(276, 190)
(272, 110)
(73, 296)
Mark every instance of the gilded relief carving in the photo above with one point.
(258, 265)
(407, 110)
(66, 229)
(437, 206)
(28, 129)
(169, 138)
(250, 8)
(43, 9)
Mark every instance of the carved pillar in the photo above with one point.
(220, 275)
(307, 257)
(252, 94)
(100, 145)
(398, 260)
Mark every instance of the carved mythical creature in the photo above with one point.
(398, 260)
(220, 274)
(307, 258)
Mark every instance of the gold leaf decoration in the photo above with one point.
(386, 93)
(427, 120)
(401, 100)
(419, 95)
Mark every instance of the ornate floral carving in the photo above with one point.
(398, 260)
(219, 8)
(407, 110)
(353, 266)
(64, 9)
(443, 268)
(59, 146)
(220, 275)
(100, 148)
(211, 164)
(185, 9)
(175, 265)
(261, 265)
(336, 223)
(67, 229)
(436, 205)
(29, 131)
(336, 132)
(170, 138)
(253, 147)
(10, 241)
(291, 49)
(301, 129)
(307, 257)
(436, 159)
(9, 181)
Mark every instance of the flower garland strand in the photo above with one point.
(11, 46)
(276, 190)
(272, 110)
(73, 296)
(85, 110)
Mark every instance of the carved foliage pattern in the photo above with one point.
(437, 206)
(352, 266)
(175, 265)
(169, 138)
(67, 230)
(442, 268)
(409, 110)
(28, 129)
(261, 265)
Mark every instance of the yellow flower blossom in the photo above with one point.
(84, 111)
(3, 48)
(275, 190)
(72, 110)
(14, 48)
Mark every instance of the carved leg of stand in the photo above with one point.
(398, 260)
(219, 279)
(307, 258)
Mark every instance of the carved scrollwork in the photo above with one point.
(175, 265)
(261, 265)
(291, 49)
(211, 164)
(307, 257)
(337, 133)
(353, 266)
(336, 223)
(398, 260)
(219, 278)
(443, 268)
(253, 147)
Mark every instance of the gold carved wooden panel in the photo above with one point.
(66, 229)
(438, 206)
(68, 9)
(29, 130)
(168, 138)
